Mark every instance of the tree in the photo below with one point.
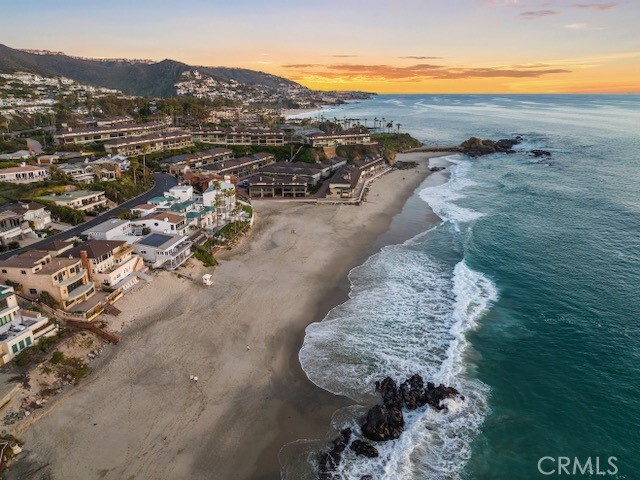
(389, 126)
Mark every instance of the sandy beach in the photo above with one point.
(139, 416)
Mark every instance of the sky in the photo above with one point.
(384, 46)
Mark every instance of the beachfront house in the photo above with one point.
(111, 263)
(272, 186)
(163, 222)
(65, 280)
(19, 328)
(163, 251)
(222, 197)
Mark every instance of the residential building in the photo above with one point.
(19, 329)
(85, 200)
(36, 214)
(19, 155)
(243, 166)
(241, 136)
(64, 279)
(202, 180)
(154, 142)
(163, 251)
(88, 134)
(292, 186)
(199, 159)
(222, 197)
(348, 137)
(24, 174)
(13, 227)
(163, 222)
(183, 193)
(343, 183)
(111, 263)
(79, 172)
(109, 230)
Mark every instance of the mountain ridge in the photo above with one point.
(134, 78)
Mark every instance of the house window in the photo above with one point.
(33, 291)
(21, 344)
(28, 341)
(4, 271)
(14, 348)
(4, 320)
(23, 272)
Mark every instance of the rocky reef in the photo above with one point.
(475, 147)
(386, 421)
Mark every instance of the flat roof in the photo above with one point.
(106, 226)
(160, 240)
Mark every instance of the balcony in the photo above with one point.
(80, 291)
(74, 278)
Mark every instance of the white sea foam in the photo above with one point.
(408, 312)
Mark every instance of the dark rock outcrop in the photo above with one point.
(475, 147)
(330, 460)
(540, 153)
(364, 448)
(385, 422)
(412, 391)
(437, 169)
(437, 395)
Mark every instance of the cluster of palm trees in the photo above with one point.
(379, 124)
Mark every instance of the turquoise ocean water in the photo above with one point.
(526, 297)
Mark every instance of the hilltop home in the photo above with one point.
(155, 142)
(222, 197)
(109, 230)
(19, 329)
(85, 200)
(64, 279)
(79, 172)
(90, 134)
(36, 214)
(164, 251)
(24, 174)
(111, 263)
(13, 227)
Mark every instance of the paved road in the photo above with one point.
(163, 182)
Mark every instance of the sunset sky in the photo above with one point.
(401, 46)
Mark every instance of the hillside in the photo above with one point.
(144, 79)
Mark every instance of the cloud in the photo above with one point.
(532, 14)
(577, 26)
(423, 71)
(416, 57)
(596, 6)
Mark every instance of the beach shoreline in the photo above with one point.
(241, 337)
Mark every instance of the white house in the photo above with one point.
(109, 230)
(163, 222)
(19, 329)
(221, 196)
(164, 251)
(183, 193)
(24, 174)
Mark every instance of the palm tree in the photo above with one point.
(398, 125)
(375, 123)
(145, 150)
(389, 126)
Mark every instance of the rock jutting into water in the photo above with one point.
(475, 147)
(386, 422)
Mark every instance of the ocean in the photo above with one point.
(525, 296)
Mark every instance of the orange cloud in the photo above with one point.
(349, 72)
